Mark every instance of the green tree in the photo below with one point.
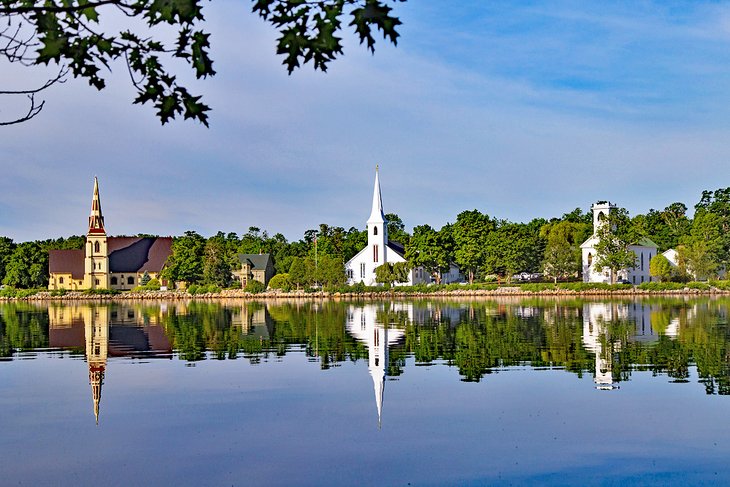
(562, 256)
(298, 273)
(703, 250)
(186, 261)
(712, 221)
(280, 281)
(470, 235)
(145, 279)
(75, 36)
(660, 267)
(396, 229)
(429, 249)
(27, 266)
(6, 251)
(615, 234)
(216, 266)
(511, 248)
(330, 271)
(390, 273)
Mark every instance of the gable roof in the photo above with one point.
(256, 261)
(134, 254)
(66, 261)
(397, 248)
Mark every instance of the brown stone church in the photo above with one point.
(107, 262)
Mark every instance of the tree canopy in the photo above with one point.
(75, 37)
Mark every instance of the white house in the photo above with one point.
(380, 250)
(644, 251)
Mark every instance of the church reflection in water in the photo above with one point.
(600, 336)
(370, 324)
(108, 331)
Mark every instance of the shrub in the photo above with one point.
(660, 286)
(153, 285)
(721, 285)
(281, 281)
(589, 286)
(536, 287)
(58, 292)
(203, 289)
(13, 292)
(702, 286)
(254, 287)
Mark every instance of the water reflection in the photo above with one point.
(107, 331)
(370, 324)
(608, 339)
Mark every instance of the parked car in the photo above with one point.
(623, 281)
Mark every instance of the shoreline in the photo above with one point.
(46, 296)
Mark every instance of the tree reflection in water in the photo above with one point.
(608, 339)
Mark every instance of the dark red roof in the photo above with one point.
(66, 261)
(134, 254)
(160, 251)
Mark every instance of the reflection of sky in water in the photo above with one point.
(285, 421)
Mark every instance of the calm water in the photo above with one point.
(467, 392)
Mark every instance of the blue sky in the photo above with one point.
(518, 109)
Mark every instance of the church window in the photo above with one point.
(96, 281)
(590, 258)
(633, 279)
(97, 247)
(60, 280)
(362, 270)
(642, 261)
(130, 280)
(375, 230)
(114, 281)
(375, 253)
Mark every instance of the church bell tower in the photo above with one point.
(96, 263)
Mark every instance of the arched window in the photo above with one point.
(590, 258)
(60, 280)
(130, 280)
(97, 247)
(114, 281)
(375, 230)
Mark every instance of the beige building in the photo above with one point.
(256, 267)
(107, 262)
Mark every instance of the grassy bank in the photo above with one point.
(361, 291)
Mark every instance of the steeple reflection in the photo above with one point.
(104, 331)
(370, 324)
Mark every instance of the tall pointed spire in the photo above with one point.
(96, 219)
(377, 215)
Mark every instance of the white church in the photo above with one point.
(644, 251)
(380, 250)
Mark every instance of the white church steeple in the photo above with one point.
(377, 226)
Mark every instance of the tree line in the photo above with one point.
(484, 247)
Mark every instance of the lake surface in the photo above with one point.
(433, 392)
